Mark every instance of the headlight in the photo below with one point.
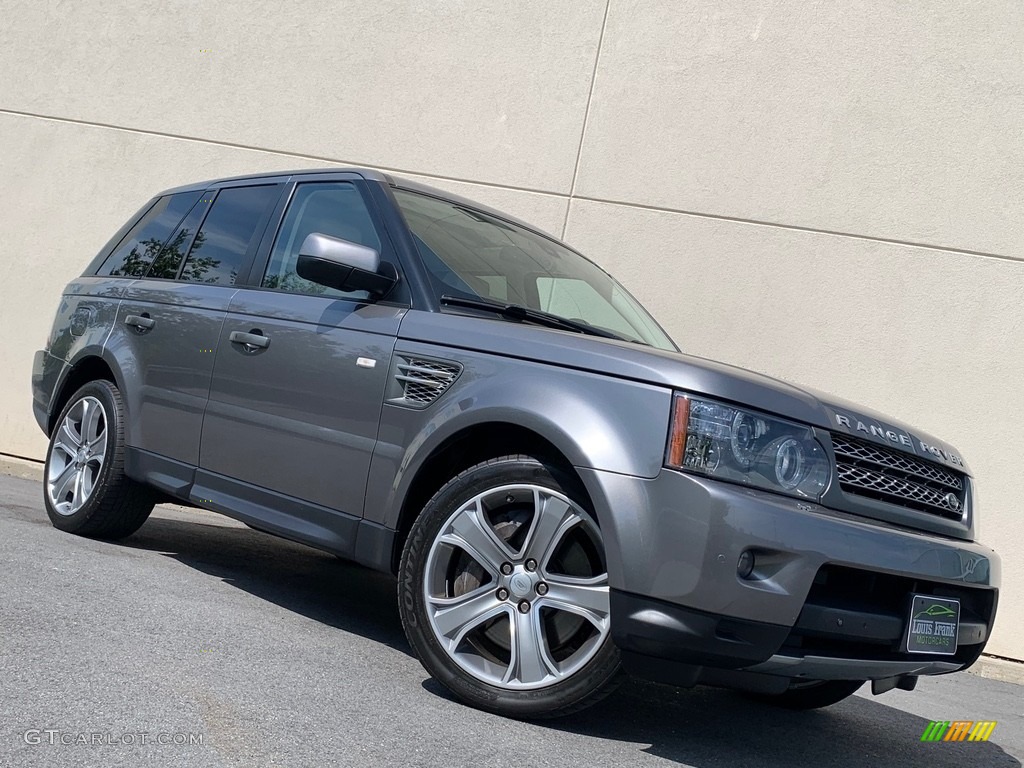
(743, 446)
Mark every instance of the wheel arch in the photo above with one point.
(467, 447)
(88, 365)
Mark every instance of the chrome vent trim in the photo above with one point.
(422, 380)
(871, 471)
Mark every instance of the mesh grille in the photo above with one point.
(423, 381)
(868, 470)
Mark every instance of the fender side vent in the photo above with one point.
(421, 380)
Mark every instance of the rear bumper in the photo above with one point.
(46, 370)
(828, 598)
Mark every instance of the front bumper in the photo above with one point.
(828, 598)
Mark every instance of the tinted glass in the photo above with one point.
(167, 264)
(473, 253)
(220, 249)
(136, 252)
(330, 208)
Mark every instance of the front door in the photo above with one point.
(298, 383)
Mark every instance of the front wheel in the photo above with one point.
(504, 591)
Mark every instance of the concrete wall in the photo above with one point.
(830, 193)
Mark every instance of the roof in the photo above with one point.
(370, 174)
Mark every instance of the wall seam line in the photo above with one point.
(799, 228)
(282, 152)
(544, 192)
(586, 117)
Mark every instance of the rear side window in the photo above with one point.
(222, 246)
(167, 265)
(134, 254)
(330, 208)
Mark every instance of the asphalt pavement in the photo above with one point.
(200, 642)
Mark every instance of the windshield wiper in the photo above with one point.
(519, 312)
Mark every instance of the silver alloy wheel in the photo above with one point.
(77, 455)
(516, 587)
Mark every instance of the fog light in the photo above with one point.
(745, 566)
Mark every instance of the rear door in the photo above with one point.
(296, 414)
(169, 321)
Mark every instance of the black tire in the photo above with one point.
(812, 695)
(114, 506)
(599, 671)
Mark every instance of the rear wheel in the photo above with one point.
(812, 695)
(85, 489)
(504, 591)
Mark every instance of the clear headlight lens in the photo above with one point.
(743, 446)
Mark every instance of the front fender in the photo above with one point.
(595, 421)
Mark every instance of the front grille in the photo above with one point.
(868, 470)
(423, 381)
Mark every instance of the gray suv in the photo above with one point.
(431, 388)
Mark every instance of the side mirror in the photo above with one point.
(344, 265)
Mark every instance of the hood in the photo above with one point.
(679, 371)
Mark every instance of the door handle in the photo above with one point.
(141, 322)
(251, 341)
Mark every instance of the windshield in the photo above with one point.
(471, 253)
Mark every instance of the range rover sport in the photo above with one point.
(431, 388)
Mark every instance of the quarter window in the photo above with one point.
(336, 209)
(221, 248)
(168, 262)
(136, 252)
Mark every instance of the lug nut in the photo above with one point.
(503, 594)
(531, 564)
(506, 568)
(524, 607)
(542, 588)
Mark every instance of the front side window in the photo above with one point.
(336, 209)
(221, 247)
(134, 254)
(470, 253)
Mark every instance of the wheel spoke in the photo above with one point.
(88, 479)
(97, 458)
(90, 420)
(454, 617)
(530, 662)
(473, 533)
(552, 519)
(76, 494)
(98, 440)
(584, 597)
(63, 482)
(66, 440)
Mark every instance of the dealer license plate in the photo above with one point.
(933, 624)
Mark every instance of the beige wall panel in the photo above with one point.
(881, 118)
(931, 338)
(487, 91)
(67, 188)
